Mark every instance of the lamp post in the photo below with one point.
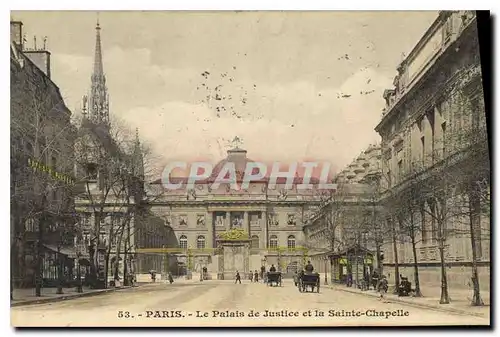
(163, 269)
(59, 270)
(326, 269)
(79, 288)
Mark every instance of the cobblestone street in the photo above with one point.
(222, 303)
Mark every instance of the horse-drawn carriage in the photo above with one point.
(308, 281)
(273, 279)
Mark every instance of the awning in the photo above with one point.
(64, 250)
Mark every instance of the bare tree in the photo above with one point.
(408, 213)
(470, 143)
(116, 165)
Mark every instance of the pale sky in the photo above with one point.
(282, 95)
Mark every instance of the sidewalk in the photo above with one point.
(27, 296)
(460, 299)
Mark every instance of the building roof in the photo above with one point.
(238, 157)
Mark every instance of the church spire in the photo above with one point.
(138, 156)
(98, 69)
(98, 109)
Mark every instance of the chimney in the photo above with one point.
(41, 58)
(16, 33)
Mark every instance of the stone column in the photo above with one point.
(228, 220)
(209, 221)
(246, 223)
(266, 229)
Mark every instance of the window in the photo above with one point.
(273, 220)
(423, 225)
(29, 225)
(432, 120)
(255, 242)
(291, 242)
(200, 242)
(476, 113)
(273, 242)
(448, 29)
(183, 242)
(92, 171)
(419, 124)
(219, 219)
(422, 141)
(443, 132)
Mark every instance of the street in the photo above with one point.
(223, 303)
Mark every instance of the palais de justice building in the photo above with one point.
(271, 220)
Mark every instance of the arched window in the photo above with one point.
(200, 242)
(273, 242)
(291, 242)
(183, 242)
(255, 242)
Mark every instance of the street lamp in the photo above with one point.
(326, 269)
(79, 288)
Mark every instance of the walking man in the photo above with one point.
(238, 277)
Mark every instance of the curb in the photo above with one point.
(67, 297)
(418, 305)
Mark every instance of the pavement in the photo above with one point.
(27, 296)
(219, 303)
(460, 300)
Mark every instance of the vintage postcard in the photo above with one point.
(248, 168)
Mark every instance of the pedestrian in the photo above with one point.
(382, 287)
(256, 276)
(251, 277)
(238, 277)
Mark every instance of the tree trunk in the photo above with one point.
(418, 292)
(125, 267)
(445, 297)
(117, 257)
(396, 262)
(93, 269)
(379, 263)
(59, 272)
(79, 288)
(39, 256)
(106, 267)
(476, 299)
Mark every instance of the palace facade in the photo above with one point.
(270, 218)
(433, 133)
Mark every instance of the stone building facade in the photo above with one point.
(42, 138)
(436, 101)
(272, 219)
(110, 173)
(335, 227)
